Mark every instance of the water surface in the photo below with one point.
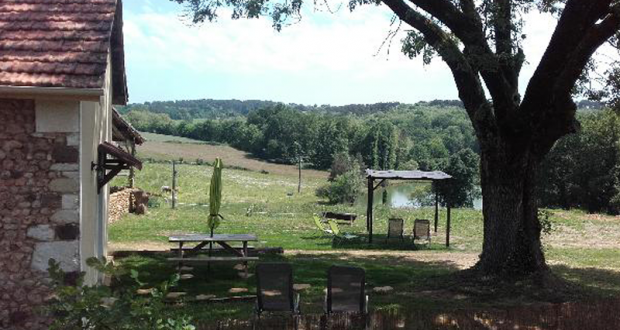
(406, 195)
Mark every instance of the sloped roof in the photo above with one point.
(62, 43)
(122, 129)
(407, 175)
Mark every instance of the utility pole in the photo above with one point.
(299, 160)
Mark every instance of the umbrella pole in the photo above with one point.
(210, 249)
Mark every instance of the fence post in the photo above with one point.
(448, 227)
(174, 184)
(132, 172)
(299, 184)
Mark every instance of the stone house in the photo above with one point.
(61, 70)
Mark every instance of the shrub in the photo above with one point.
(154, 202)
(342, 163)
(345, 188)
(98, 307)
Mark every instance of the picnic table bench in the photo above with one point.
(341, 218)
(184, 254)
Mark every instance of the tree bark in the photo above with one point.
(511, 226)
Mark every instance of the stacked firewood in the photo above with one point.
(126, 201)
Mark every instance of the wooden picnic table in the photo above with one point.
(223, 240)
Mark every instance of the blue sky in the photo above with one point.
(327, 58)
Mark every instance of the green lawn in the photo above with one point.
(267, 205)
(582, 248)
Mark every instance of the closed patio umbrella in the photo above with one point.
(215, 200)
(215, 196)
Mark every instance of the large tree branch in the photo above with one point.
(468, 30)
(466, 77)
(510, 63)
(551, 106)
(502, 23)
(594, 38)
(467, 26)
(578, 16)
(469, 8)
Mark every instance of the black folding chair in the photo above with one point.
(346, 290)
(274, 289)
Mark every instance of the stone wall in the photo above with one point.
(39, 211)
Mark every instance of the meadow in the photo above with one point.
(161, 147)
(581, 248)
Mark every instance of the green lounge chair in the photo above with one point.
(320, 227)
(338, 234)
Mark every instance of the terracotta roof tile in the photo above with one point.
(57, 43)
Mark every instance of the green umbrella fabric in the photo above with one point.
(215, 196)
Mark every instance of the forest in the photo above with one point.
(582, 170)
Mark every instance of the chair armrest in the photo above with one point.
(325, 304)
(296, 301)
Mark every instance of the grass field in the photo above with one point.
(164, 147)
(582, 249)
(154, 137)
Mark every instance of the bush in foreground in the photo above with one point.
(77, 306)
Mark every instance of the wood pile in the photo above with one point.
(123, 202)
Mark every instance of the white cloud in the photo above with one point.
(322, 46)
(347, 42)
(326, 58)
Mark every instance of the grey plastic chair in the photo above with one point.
(396, 228)
(346, 290)
(422, 230)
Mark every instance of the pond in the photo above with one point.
(407, 195)
(599, 315)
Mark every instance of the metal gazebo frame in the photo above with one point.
(373, 175)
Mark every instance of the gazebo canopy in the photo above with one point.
(433, 176)
(407, 175)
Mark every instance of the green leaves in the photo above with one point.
(415, 45)
(281, 13)
(98, 307)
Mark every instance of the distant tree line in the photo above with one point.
(582, 170)
(220, 109)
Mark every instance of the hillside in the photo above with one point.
(220, 109)
(164, 147)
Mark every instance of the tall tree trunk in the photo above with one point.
(511, 226)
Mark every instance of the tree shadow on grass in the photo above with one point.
(593, 281)
(425, 295)
(381, 242)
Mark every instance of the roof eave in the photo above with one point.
(117, 49)
(82, 94)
